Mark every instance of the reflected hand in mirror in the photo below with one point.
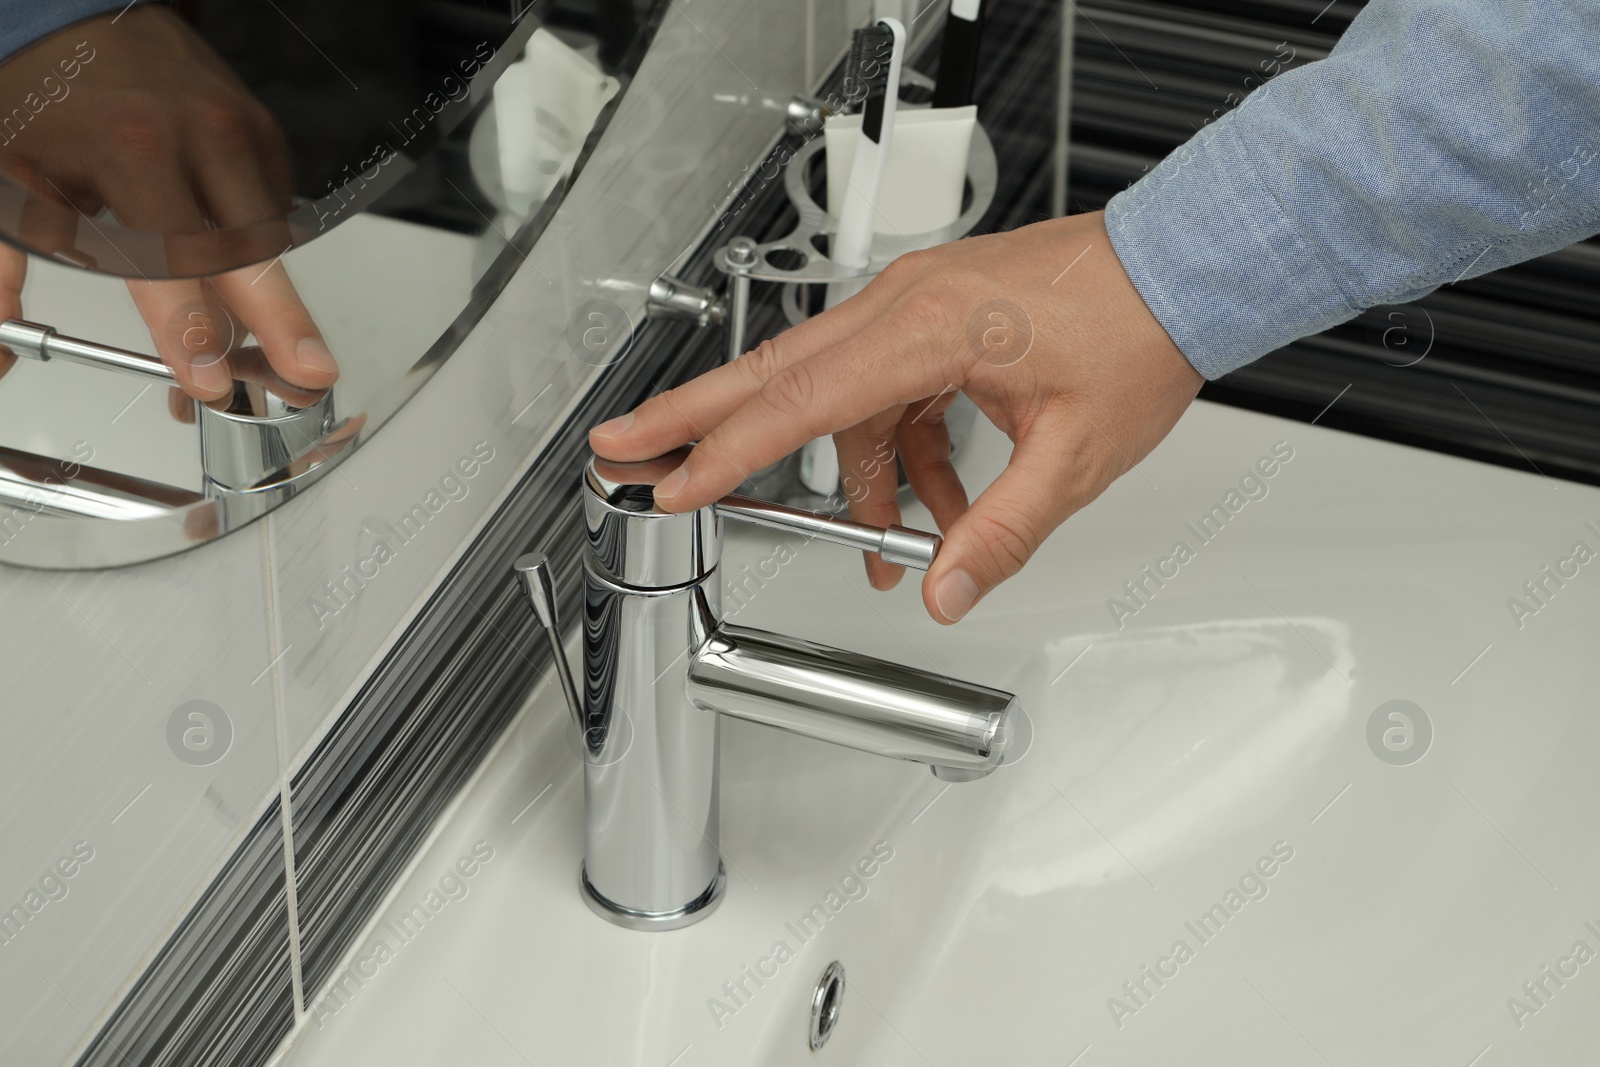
(247, 367)
(141, 118)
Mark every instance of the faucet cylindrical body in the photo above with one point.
(650, 756)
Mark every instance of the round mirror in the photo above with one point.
(236, 235)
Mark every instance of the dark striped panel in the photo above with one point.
(1512, 367)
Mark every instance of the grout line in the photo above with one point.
(291, 877)
(442, 824)
(809, 78)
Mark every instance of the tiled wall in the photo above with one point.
(114, 824)
(108, 834)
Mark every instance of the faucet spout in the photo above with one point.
(957, 727)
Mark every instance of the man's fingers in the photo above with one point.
(924, 440)
(13, 272)
(237, 188)
(869, 477)
(693, 410)
(885, 365)
(689, 412)
(238, 155)
(266, 301)
(1052, 474)
(180, 405)
(145, 184)
(49, 225)
(186, 338)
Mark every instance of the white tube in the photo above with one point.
(925, 175)
(920, 190)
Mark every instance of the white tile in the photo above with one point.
(96, 664)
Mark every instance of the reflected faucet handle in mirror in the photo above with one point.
(265, 431)
(31, 340)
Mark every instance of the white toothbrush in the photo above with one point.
(874, 67)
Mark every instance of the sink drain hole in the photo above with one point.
(826, 1000)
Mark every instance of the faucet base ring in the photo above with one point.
(692, 912)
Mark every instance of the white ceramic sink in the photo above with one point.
(1202, 776)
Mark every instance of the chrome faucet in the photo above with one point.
(661, 667)
(262, 435)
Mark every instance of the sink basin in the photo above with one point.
(1313, 793)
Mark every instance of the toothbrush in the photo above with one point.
(875, 54)
(875, 65)
(958, 54)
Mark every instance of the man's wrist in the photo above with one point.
(23, 22)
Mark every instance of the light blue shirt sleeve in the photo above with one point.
(23, 22)
(1440, 140)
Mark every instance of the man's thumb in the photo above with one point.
(1008, 522)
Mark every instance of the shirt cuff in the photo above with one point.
(23, 23)
(1218, 259)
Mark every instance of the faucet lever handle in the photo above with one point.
(896, 544)
(537, 582)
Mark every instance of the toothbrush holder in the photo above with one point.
(797, 263)
(796, 260)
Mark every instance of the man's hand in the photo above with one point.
(1040, 327)
(156, 127)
